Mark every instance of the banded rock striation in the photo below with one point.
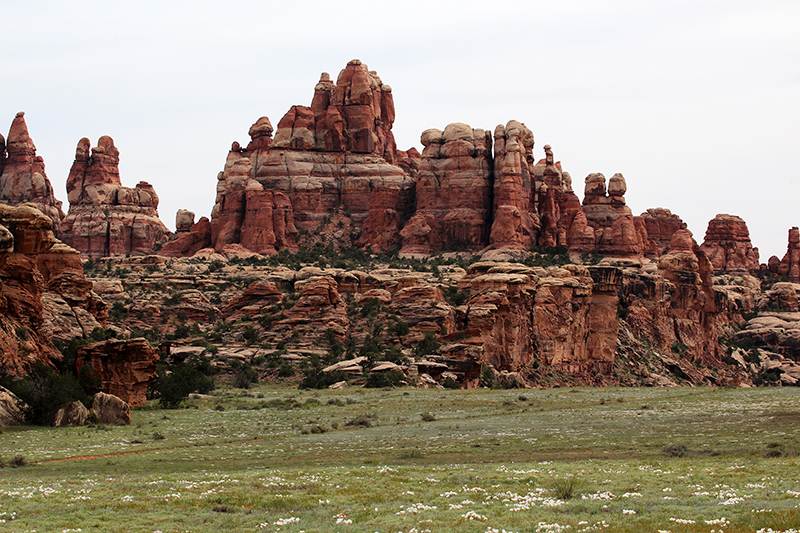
(105, 218)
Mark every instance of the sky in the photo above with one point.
(696, 103)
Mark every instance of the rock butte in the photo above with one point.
(333, 169)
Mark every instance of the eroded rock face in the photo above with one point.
(563, 317)
(727, 245)
(105, 218)
(339, 153)
(660, 225)
(125, 367)
(453, 191)
(43, 292)
(22, 176)
(789, 266)
(515, 224)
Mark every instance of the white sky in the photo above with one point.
(696, 102)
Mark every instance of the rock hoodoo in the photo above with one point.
(22, 177)
(105, 218)
(789, 266)
(727, 245)
(125, 367)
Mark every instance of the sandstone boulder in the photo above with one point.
(110, 409)
(72, 414)
(10, 409)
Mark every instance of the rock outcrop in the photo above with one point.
(43, 291)
(337, 154)
(22, 177)
(660, 225)
(104, 217)
(789, 266)
(453, 191)
(727, 245)
(564, 317)
(110, 409)
(125, 367)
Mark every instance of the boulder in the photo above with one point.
(125, 367)
(72, 414)
(110, 409)
(10, 409)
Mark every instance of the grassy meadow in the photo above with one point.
(414, 460)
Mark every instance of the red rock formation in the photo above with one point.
(337, 154)
(22, 177)
(727, 245)
(679, 307)
(660, 225)
(104, 217)
(453, 191)
(615, 230)
(564, 317)
(43, 292)
(318, 309)
(259, 295)
(789, 266)
(125, 367)
(188, 243)
(515, 224)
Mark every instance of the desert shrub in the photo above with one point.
(427, 416)
(772, 450)
(428, 345)
(450, 383)
(379, 380)
(364, 421)
(315, 378)
(567, 488)
(173, 385)
(399, 327)
(487, 377)
(244, 376)
(675, 450)
(250, 334)
(454, 296)
(44, 391)
(285, 370)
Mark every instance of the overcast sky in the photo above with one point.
(696, 103)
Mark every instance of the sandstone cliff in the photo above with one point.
(43, 292)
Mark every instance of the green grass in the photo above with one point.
(489, 460)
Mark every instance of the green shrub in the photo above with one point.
(379, 380)
(428, 345)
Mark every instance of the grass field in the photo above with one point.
(412, 460)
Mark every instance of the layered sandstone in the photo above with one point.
(789, 266)
(43, 291)
(727, 245)
(453, 191)
(615, 230)
(337, 154)
(660, 225)
(22, 176)
(515, 223)
(125, 367)
(104, 217)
